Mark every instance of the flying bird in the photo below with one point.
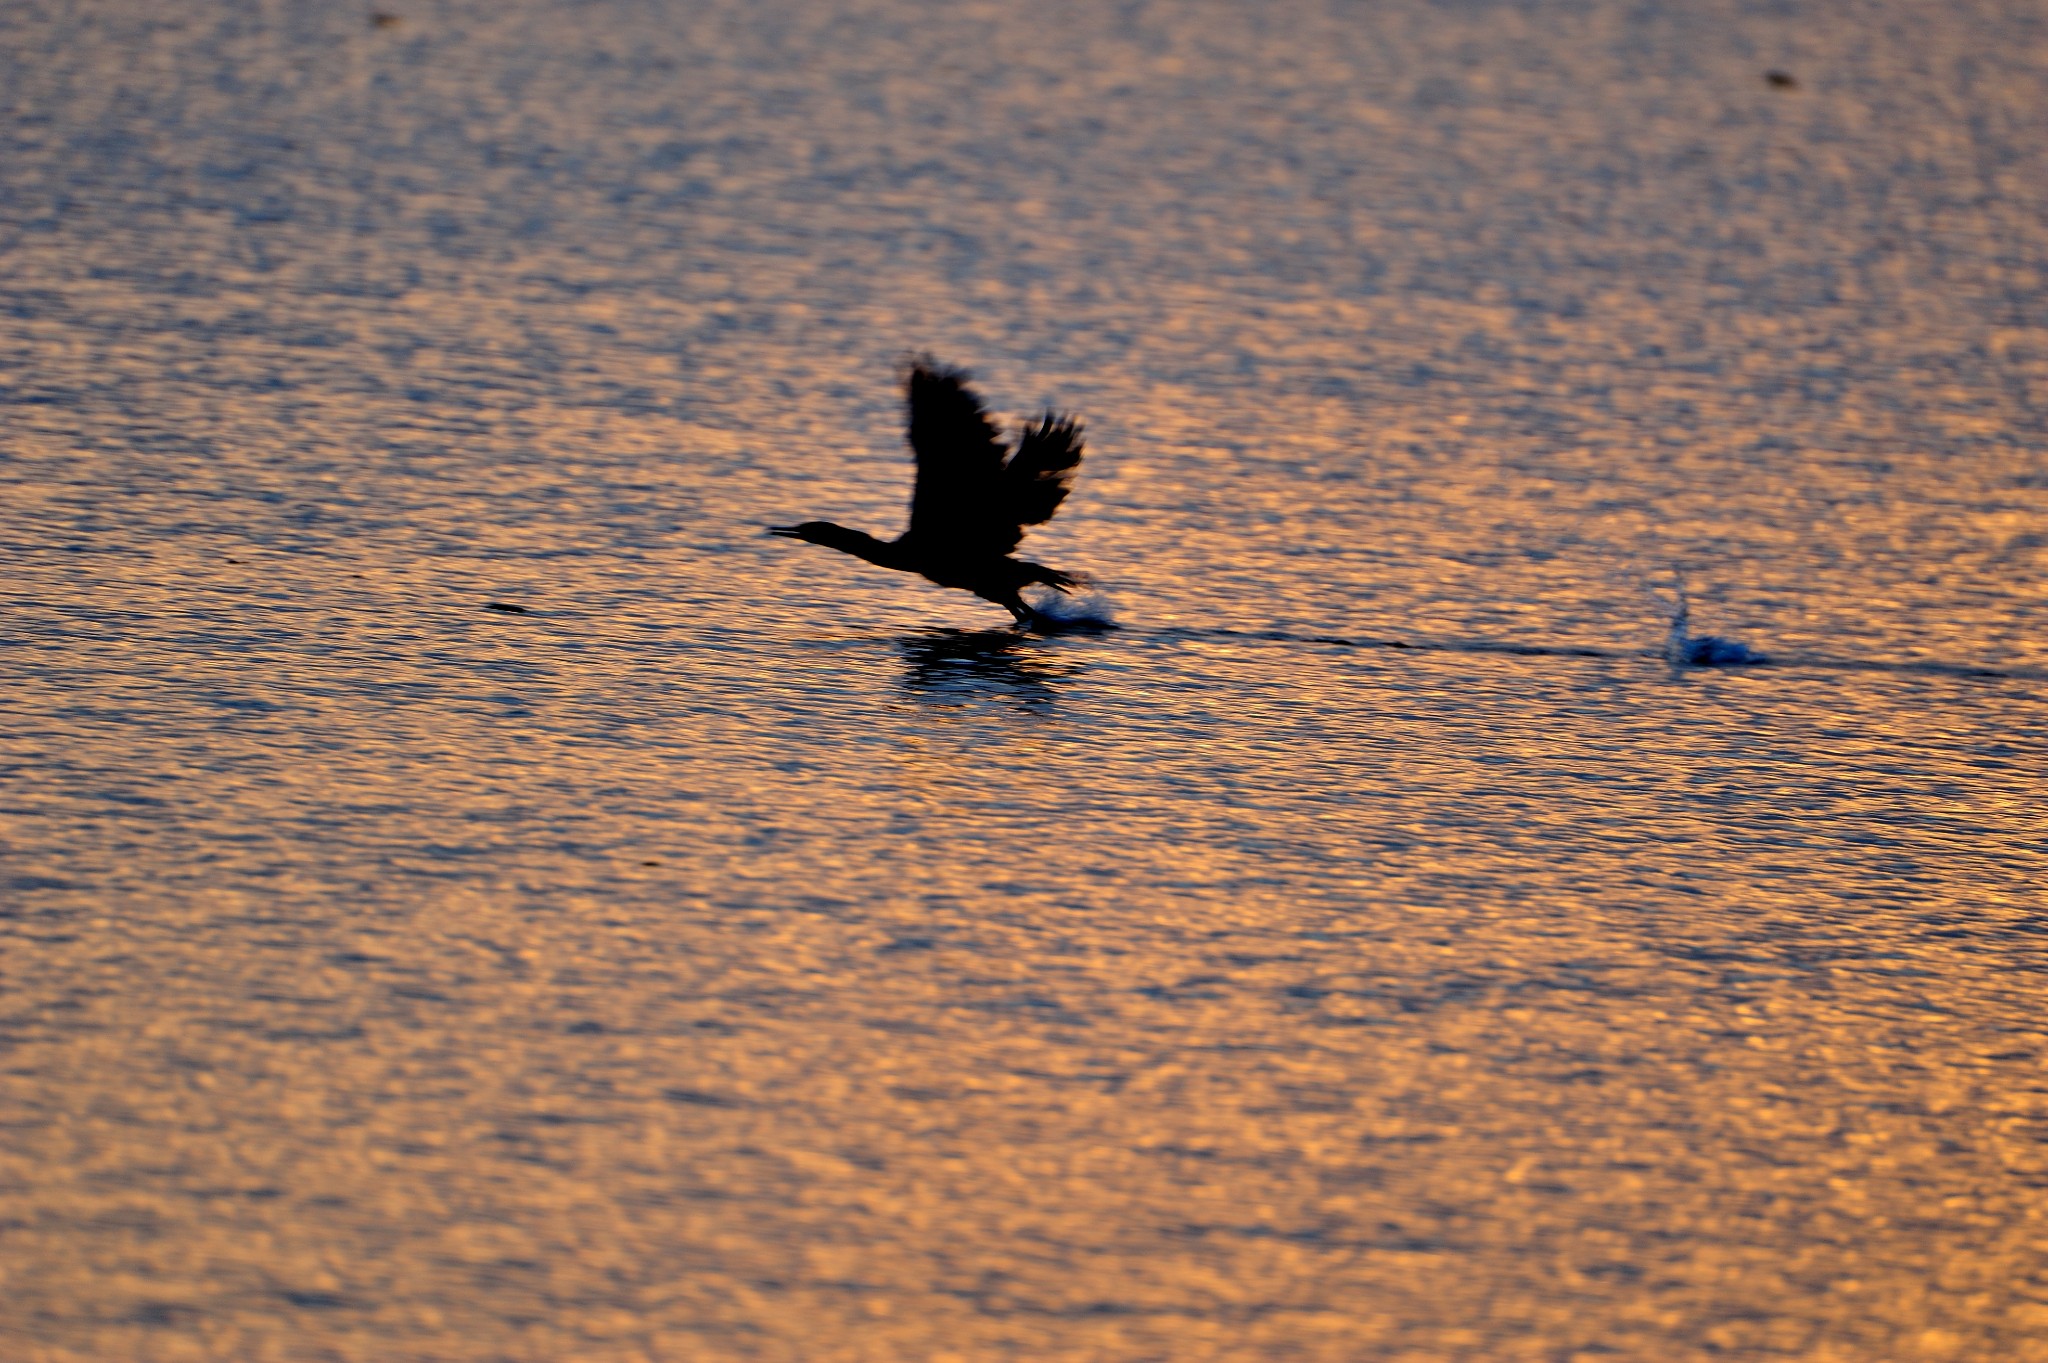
(971, 502)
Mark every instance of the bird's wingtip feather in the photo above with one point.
(922, 365)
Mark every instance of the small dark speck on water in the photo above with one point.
(235, 560)
(505, 608)
(381, 20)
(650, 863)
(1781, 80)
(314, 1299)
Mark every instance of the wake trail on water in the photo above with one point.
(1682, 651)
(1701, 652)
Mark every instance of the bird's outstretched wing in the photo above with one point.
(959, 460)
(967, 499)
(1041, 472)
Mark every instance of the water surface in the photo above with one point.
(746, 954)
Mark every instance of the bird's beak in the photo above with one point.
(788, 532)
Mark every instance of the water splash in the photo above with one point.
(1683, 648)
(1061, 614)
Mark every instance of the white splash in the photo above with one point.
(1058, 611)
(1682, 648)
(1678, 638)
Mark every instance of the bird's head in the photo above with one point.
(811, 532)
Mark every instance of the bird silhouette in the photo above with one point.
(971, 503)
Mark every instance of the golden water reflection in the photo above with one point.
(738, 956)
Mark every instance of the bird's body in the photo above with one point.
(971, 504)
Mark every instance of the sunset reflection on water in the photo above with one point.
(747, 954)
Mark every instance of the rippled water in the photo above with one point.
(1372, 950)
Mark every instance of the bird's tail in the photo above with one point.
(1055, 579)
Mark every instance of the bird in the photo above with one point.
(972, 498)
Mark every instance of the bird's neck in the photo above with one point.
(859, 543)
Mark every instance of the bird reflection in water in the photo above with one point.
(956, 666)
